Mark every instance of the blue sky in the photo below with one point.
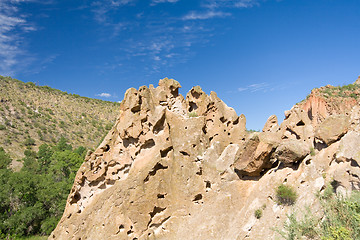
(260, 56)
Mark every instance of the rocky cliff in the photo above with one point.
(185, 168)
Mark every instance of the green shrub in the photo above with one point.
(258, 213)
(193, 114)
(312, 151)
(2, 127)
(286, 195)
(29, 142)
(108, 126)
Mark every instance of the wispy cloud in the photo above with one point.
(11, 42)
(13, 27)
(205, 15)
(153, 2)
(231, 3)
(105, 95)
(165, 39)
(264, 87)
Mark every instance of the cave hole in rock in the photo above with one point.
(197, 197)
(137, 107)
(194, 145)
(184, 153)
(148, 144)
(164, 153)
(156, 210)
(129, 141)
(106, 148)
(293, 133)
(300, 123)
(159, 125)
(204, 129)
(186, 128)
(156, 168)
(353, 163)
(208, 185)
(236, 121)
(223, 119)
(174, 91)
(192, 106)
(195, 94)
(75, 198)
(307, 162)
(302, 182)
(199, 172)
(160, 196)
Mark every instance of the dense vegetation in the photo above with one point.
(339, 220)
(32, 200)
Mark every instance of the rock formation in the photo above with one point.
(185, 168)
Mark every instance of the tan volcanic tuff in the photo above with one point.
(175, 168)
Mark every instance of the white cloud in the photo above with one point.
(212, 4)
(102, 8)
(165, 39)
(12, 26)
(106, 95)
(153, 2)
(245, 3)
(264, 87)
(205, 15)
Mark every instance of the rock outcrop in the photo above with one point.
(186, 168)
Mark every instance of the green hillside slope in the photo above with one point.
(31, 115)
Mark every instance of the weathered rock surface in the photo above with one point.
(271, 124)
(185, 168)
(291, 151)
(256, 154)
(332, 128)
(349, 148)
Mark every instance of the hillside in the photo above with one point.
(31, 115)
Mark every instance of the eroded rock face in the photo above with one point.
(151, 164)
(271, 124)
(185, 168)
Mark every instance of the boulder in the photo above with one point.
(290, 151)
(256, 154)
(332, 128)
(349, 148)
